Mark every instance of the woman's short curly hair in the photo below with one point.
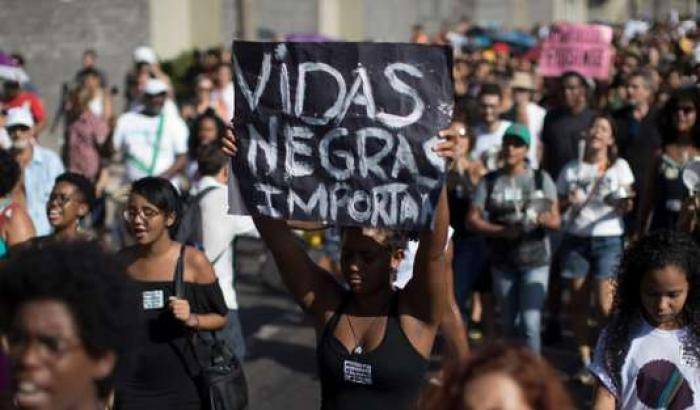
(89, 281)
(9, 173)
(541, 387)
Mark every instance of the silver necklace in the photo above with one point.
(358, 347)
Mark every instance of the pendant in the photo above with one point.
(358, 350)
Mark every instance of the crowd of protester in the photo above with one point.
(565, 201)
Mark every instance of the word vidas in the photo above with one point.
(341, 132)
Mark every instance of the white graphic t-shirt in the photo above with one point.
(597, 217)
(657, 373)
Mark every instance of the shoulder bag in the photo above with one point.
(221, 380)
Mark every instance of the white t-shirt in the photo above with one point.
(657, 372)
(225, 95)
(219, 230)
(487, 144)
(535, 123)
(597, 218)
(135, 135)
(404, 273)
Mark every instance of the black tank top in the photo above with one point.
(388, 377)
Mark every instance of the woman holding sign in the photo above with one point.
(373, 342)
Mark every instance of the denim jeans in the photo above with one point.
(233, 333)
(597, 255)
(521, 295)
(468, 264)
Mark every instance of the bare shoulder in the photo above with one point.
(198, 269)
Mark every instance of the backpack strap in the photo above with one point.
(490, 180)
(539, 179)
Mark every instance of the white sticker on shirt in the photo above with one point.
(355, 372)
(153, 299)
(511, 194)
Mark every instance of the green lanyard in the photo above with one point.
(137, 163)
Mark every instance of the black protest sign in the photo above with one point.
(341, 132)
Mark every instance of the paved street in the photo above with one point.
(280, 364)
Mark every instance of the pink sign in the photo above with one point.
(584, 48)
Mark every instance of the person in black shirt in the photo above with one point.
(165, 371)
(565, 126)
(373, 342)
(638, 138)
(680, 133)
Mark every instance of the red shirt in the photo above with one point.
(28, 99)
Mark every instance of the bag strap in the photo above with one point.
(148, 169)
(539, 180)
(178, 277)
(575, 212)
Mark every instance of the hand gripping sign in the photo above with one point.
(341, 132)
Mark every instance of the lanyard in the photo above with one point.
(137, 163)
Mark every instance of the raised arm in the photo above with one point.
(311, 287)
(425, 296)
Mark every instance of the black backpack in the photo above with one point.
(189, 231)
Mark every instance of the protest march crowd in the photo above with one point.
(568, 218)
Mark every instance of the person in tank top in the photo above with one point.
(373, 342)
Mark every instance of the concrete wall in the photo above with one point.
(52, 36)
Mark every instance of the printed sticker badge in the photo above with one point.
(355, 372)
(153, 299)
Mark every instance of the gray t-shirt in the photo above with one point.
(507, 203)
(507, 190)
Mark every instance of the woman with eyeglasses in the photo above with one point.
(680, 142)
(70, 201)
(67, 318)
(163, 365)
(15, 224)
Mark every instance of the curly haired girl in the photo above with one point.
(648, 356)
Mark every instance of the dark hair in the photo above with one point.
(612, 150)
(90, 51)
(540, 385)
(10, 172)
(88, 280)
(193, 144)
(667, 125)
(82, 184)
(576, 74)
(653, 252)
(89, 71)
(161, 193)
(211, 159)
(490, 89)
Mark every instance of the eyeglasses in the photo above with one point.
(49, 347)
(60, 199)
(130, 214)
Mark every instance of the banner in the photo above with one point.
(583, 48)
(341, 132)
